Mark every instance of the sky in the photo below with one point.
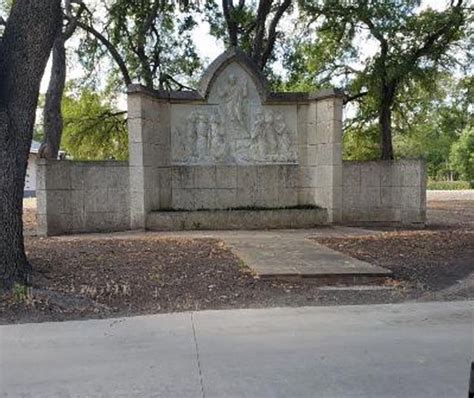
(209, 48)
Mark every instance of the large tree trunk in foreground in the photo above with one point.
(24, 51)
(52, 115)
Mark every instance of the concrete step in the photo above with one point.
(292, 218)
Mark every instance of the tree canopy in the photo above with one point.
(409, 45)
(93, 128)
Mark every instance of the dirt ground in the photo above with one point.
(89, 278)
(453, 213)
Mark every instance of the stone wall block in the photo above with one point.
(161, 156)
(411, 174)
(328, 131)
(184, 198)
(351, 175)
(78, 177)
(226, 176)
(96, 200)
(58, 202)
(205, 198)
(410, 198)
(308, 177)
(288, 176)
(205, 177)
(370, 175)
(390, 197)
(268, 177)
(351, 197)
(247, 195)
(287, 197)
(247, 177)
(137, 178)
(54, 175)
(226, 198)
(302, 124)
(306, 196)
(165, 189)
(135, 130)
(118, 177)
(183, 177)
(118, 199)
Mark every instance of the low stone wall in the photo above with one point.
(75, 197)
(384, 192)
(236, 219)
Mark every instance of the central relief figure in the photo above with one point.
(233, 129)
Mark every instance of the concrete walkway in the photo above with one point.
(280, 253)
(406, 350)
(293, 253)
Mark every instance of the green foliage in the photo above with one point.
(361, 144)
(20, 293)
(462, 155)
(411, 49)
(431, 120)
(153, 38)
(448, 185)
(93, 128)
(252, 26)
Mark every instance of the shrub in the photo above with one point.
(449, 185)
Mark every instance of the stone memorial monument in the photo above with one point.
(229, 155)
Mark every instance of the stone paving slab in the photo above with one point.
(286, 254)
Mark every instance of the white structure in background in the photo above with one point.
(30, 180)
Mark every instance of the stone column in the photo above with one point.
(149, 153)
(321, 154)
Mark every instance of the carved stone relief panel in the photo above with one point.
(233, 127)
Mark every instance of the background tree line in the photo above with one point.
(409, 98)
(406, 69)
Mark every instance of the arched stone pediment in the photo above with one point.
(233, 62)
(233, 122)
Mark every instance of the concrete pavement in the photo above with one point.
(406, 350)
(292, 253)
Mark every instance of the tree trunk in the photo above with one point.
(24, 50)
(52, 115)
(232, 27)
(385, 123)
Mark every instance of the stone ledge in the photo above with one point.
(236, 219)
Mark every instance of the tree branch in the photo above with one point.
(111, 48)
(355, 97)
(228, 8)
(272, 32)
(264, 7)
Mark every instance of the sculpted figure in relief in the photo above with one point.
(233, 96)
(217, 145)
(234, 130)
